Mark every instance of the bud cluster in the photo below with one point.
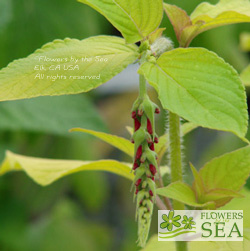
(145, 162)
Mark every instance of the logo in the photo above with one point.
(197, 225)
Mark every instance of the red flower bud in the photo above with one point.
(138, 152)
(138, 182)
(156, 140)
(152, 169)
(136, 191)
(137, 124)
(157, 110)
(136, 165)
(153, 178)
(133, 115)
(152, 146)
(149, 127)
(151, 193)
(132, 141)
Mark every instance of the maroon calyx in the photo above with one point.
(152, 169)
(137, 124)
(149, 127)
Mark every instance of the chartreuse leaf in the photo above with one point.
(135, 19)
(245, 76)
(228, 171)
(121, 143)
(183, 193)
(218, 195)
(162, 145)
(18, 80)
(46, 171)
(199, 86)
(207, 16)
(178, 18)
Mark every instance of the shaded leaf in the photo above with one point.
(52, 115)
(121, 143)
(135, 19)
(46, 171)
(199, 86)
(19, 79)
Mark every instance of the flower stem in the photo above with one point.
(142, 86)
(176, 164)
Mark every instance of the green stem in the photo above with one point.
(176, 164)
(142, 86)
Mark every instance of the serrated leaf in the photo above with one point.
(228, 171)
(245, 76)
(199, 86)
(182, 192)
(52, 115)
(223, 13)
(220, 196)
(135, 19)
(46, 171)
(206, 16)
(17, 80)
(178, 18)
(121, 143)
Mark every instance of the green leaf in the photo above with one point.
(245, 76)
(121, 143)
(220, 196)
(183, 193)
(46, 171)
(178, 18)
(135, 19)
(199, 86)
(207, 16)
(198, 184)
(52, 115)
(162, 146)
(228, 171)
(18, 80)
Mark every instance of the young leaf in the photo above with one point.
(220, 196)
(46, 171)
(178, 17)
(224, 13)
(51, 115)
(121, 143)
(19, 79)
(183, 193)
(199, 86)
(245, 76)
(198, 184)
(135, 19)
(228, 171)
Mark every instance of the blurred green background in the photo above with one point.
(89, 210)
